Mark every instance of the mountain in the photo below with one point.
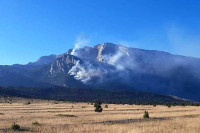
(110, 66)
(43, 60)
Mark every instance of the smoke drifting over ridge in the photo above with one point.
(86, 72)
(110, 63)
(102, 68)
(81, 41)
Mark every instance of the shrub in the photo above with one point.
(98, 110)
(146, 114)
(106, 106)
(154, 105)
(98, 107)
(15, 126)
(35, 123)
(169, 106)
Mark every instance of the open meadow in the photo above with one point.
(65, 117)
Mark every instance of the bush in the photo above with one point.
(35, 123)
(169, 106)
(15, 126)
(98, 107)
(106, 106)
(154, 105)
(98, 110)
(146, 114)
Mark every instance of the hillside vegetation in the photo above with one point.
(89, 95)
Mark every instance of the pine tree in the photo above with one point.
(98, 107)
(146, 114)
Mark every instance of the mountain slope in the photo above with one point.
(90, 95)
(110, 66)
(146, 70)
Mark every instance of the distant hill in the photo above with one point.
(90, 95)
(110, 66)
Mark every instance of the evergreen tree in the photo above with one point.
(98, 107)
(146, 114)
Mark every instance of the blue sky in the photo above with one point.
(33, 28)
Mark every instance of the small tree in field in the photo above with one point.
(146, 114)
(106, 106)
(169, 105)
(98, 107)
(15, 126)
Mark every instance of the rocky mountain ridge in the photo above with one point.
(111, 66)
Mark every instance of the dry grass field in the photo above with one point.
(63, 117)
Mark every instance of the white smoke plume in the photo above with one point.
(86, 72)
(115, 60)
(101, 71)
(81, 41)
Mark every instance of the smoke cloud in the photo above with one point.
(81, 41)
(86, 72)
(124, 64)
(115, 60)
(90, 70)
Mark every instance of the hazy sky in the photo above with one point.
(33, 28)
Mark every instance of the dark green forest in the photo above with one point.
(90, 95)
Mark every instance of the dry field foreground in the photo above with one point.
(53, 118)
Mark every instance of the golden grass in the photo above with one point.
(58, 118)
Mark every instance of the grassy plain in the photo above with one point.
(65, 117)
